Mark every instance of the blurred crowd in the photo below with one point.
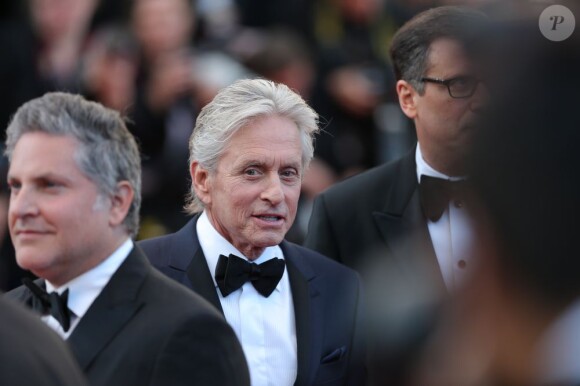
(159, 61)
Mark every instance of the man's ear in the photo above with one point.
(121, 203)
(407, 98)
(200, 180)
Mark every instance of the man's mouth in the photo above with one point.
(270, 217)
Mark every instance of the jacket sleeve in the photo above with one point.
(208, 354)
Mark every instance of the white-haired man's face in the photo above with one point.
(251, 198)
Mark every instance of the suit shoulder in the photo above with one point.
(160, 249)
(376, 179)
(321, 263)
(155, 243)
(156, 249)
(183, 302)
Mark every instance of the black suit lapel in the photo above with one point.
(307, 312)
(189, 264)
(112, 309)
(404, 228)
(201, 278)
(32, 301)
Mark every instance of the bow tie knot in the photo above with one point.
(256, 272)
(232, 272)
(436, 193)
(50, 303)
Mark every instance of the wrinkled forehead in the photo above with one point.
(269, 138)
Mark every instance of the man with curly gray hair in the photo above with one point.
(294, 310)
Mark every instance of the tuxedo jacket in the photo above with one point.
(32, 354)
(325, 295)
(373, 222)
(144, 329)
(375, 216)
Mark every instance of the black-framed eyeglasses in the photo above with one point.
(458, 87)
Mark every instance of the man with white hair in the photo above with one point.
(294, 310)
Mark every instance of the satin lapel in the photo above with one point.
(201, 278)
(307, 312)
(32, 301)
(186, 256)
(112, 309)
(404, 229)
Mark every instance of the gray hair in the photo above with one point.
(233, 108)
(108, 152)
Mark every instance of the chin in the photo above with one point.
(267, 240)
(30, 261)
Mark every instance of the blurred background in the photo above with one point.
(159, 62)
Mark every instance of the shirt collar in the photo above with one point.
(213, 244)
(85, 288)
(423, 168)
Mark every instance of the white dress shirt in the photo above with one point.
(84, 289)
(265, 326)
(452, 235)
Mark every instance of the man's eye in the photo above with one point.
(48, 184)
(289, 174)
(251, 172)
(12, 186)
(462, 82)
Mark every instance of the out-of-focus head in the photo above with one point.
(284, 57)
(110, 67)
(525, 162)
(53, 19)
(360, 11)
(248, 153)
(162, 25)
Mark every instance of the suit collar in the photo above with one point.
(116, 304)
(187, 256)
(201, 279)
(183, 245)
(404, 184)
(307, 312)
(403, 227)
(401, 214)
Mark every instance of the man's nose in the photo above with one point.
(22, 203)
(273, 192)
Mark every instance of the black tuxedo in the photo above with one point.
(144, 329)
(32, 354)
(376, 214)
(373, 222)
(325, 295)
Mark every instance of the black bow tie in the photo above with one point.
(50, 303)
(436, 193)
(232, 272)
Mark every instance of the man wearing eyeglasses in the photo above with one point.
(403, 224)
(411, 212)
